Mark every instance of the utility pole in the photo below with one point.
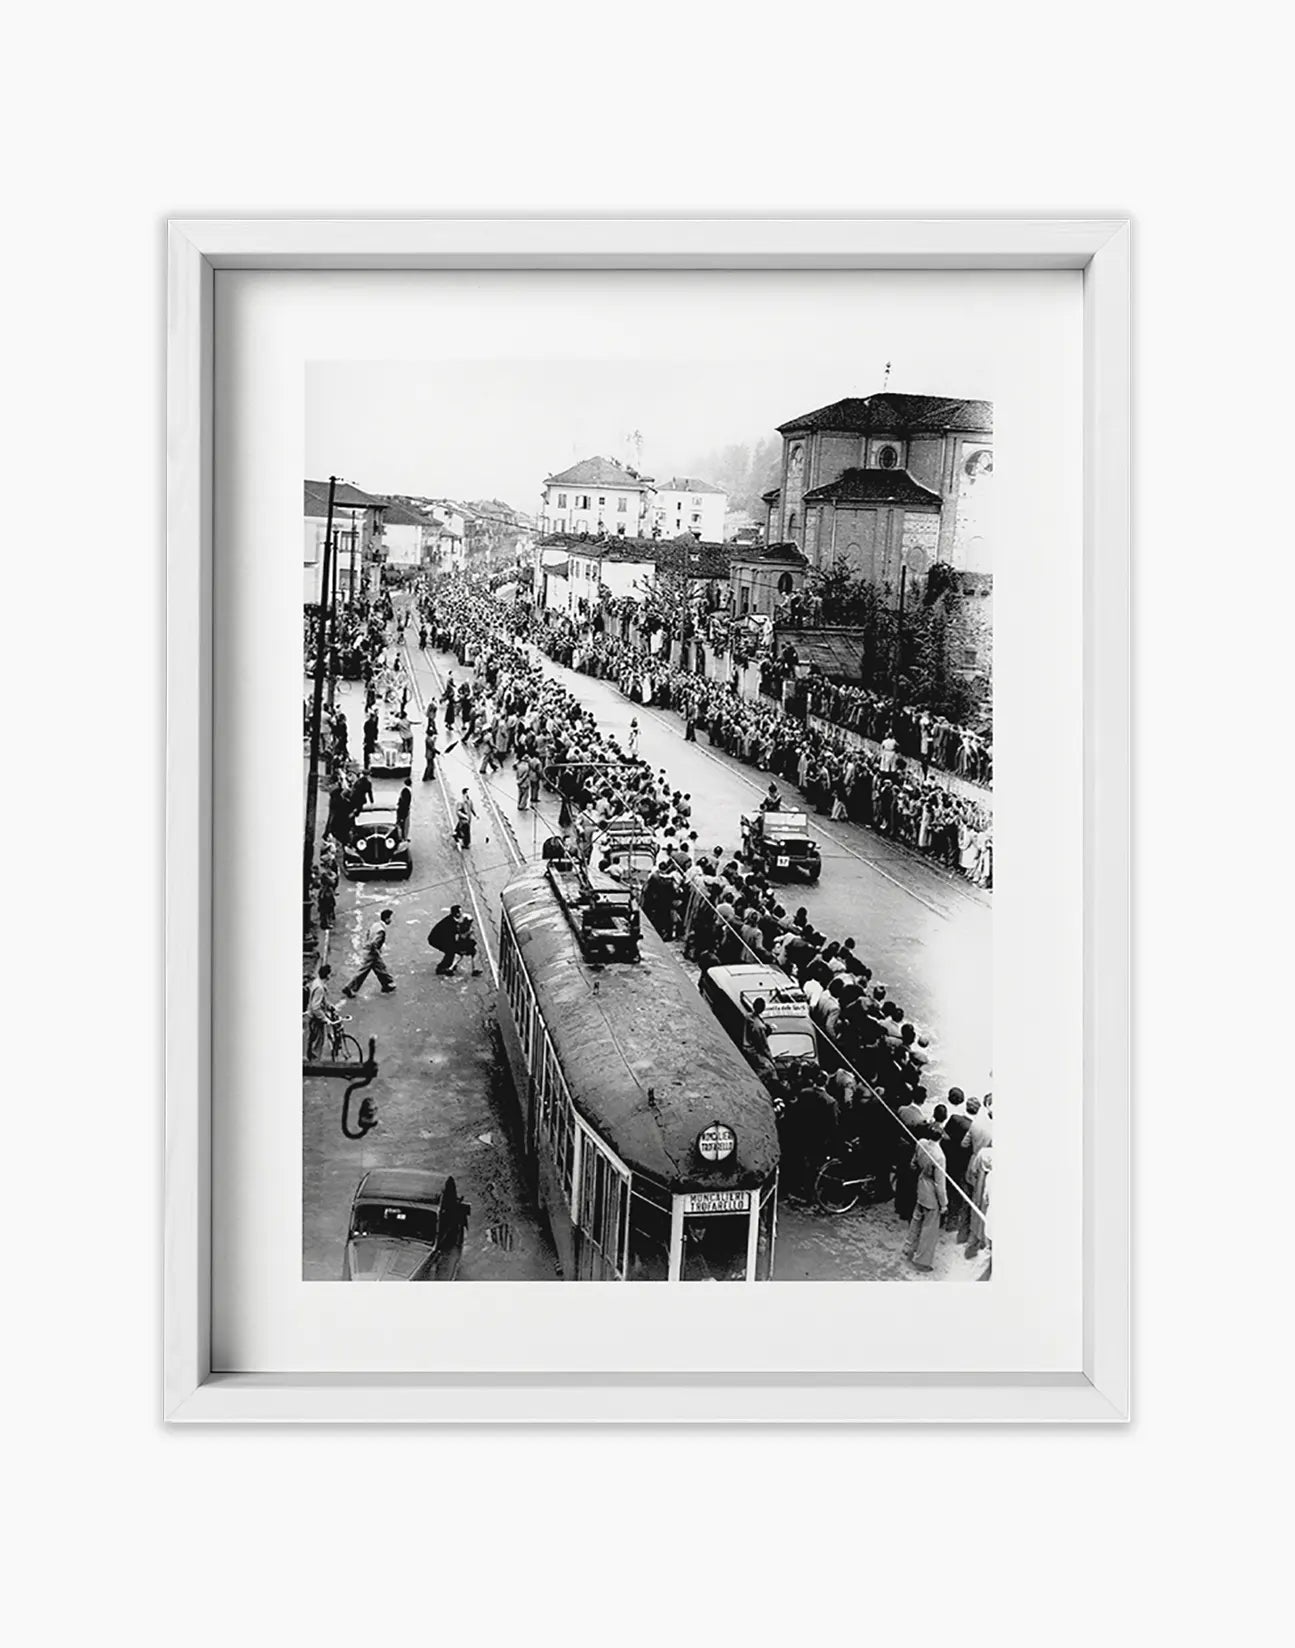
(332, 639)
(316, 713)
(899, 637)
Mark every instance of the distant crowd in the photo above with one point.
(883, 790)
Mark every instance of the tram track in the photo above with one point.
(468, 870)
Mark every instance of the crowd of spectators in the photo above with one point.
(868, 1091)
(885, 791)
(920, 736)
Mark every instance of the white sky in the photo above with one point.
(494, 429)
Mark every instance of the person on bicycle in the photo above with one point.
(318, 1011)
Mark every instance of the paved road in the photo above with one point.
(917, 926)
(443, 1099)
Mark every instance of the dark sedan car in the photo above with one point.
(407, 1225)
(377, 846)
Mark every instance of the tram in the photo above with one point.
(653, 1147)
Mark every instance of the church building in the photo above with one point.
(882, 482)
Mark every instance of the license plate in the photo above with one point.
(782, 861)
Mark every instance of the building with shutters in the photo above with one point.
(686, 504)
(598, 495)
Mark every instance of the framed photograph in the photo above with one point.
(670, 826)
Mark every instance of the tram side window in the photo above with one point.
(649, 1239)
(603, 1203)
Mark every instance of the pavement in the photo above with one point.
(444, 1093)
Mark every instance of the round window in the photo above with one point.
(887, 458)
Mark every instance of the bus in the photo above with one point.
(652, 1146)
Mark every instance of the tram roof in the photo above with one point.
(664, 1040)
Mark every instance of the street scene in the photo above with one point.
(648, 856)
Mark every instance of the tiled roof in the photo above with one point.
(700, 560)
(595, 544)
(692, 559)
(896, 415)
(400, 514)
(837, 653)
(686, 483)
(600, 472)
(784, 554)
(346, 496)
(873, 486)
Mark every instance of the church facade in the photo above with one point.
(884, 482)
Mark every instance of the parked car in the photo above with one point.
(406, 1225)
(376, 847)
(780, 843)
(731, 992)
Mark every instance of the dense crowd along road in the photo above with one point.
(855, 1122)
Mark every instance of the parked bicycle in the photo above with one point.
(845, 1181)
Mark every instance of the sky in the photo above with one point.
(495, 429)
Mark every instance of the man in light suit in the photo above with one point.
(932, 1199)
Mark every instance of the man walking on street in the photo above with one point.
(465, 813)
(374, 941)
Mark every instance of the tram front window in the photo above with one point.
(715, 1247)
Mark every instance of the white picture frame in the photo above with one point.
(1099, 1392)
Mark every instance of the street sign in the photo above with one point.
(717, 1201)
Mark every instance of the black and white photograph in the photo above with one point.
(648, 825)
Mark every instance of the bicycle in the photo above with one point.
(339, 1046)
(844, 1181)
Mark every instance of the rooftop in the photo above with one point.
(784, 554)
(647, 1065)
(600, 472)
(873, 486)
(689, 483)
(685, 554)
(398, 513)
(345, 496)
(896, 415)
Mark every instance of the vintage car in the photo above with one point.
(376, 847)
(781, 845)
(394, 756)
(731, 992)
(624, 850)
(406, 1225)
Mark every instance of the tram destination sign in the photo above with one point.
(716, 1143)
(717, 1201)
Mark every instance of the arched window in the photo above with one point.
(786, 584)
(791, 521)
